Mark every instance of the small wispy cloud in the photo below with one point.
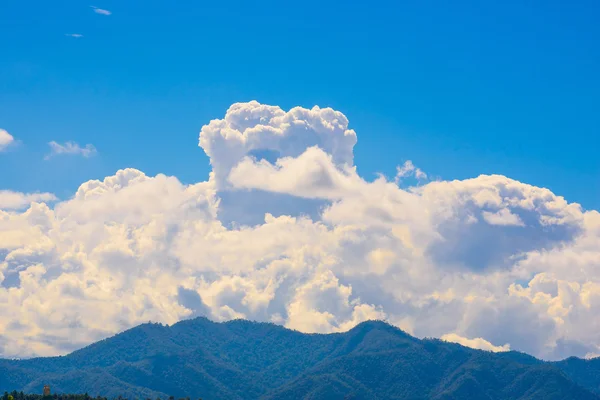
(408, 169)
(6, 139)
(74, 35)
(477, 343)
(100, 11)
(70, 148)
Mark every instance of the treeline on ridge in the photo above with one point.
(14, 395)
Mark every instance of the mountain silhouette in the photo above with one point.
(247, 360)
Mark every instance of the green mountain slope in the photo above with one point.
(246, 360)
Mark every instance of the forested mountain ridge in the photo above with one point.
(247, 360)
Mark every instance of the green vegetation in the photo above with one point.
(245, 360)
(14, 395)
(25, 396)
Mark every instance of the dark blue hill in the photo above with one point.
(248, 360)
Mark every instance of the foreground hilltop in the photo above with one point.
(248, 360)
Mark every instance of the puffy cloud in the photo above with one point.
(70, 148)
(323, 305)
(285, 230)
(476, 343)
(10, 200)
(312, 175)
(489, 221)
(261, 131)
(6, 139)
(502, 217)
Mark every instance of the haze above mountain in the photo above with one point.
(247, 360)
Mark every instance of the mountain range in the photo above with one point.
(240, 359)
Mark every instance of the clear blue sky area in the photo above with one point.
(459, 87)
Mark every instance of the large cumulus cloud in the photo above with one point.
(285, 230)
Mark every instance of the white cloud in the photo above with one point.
(323, 305)
(10, 200)
(488, 258)
(502, 217)
(101, 11)
(476, 343)
(312, 175)
(6, 139)
(251, 129)
(70, 148)
(408, 169)
(74, 35)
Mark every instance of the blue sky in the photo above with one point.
(461, 89)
